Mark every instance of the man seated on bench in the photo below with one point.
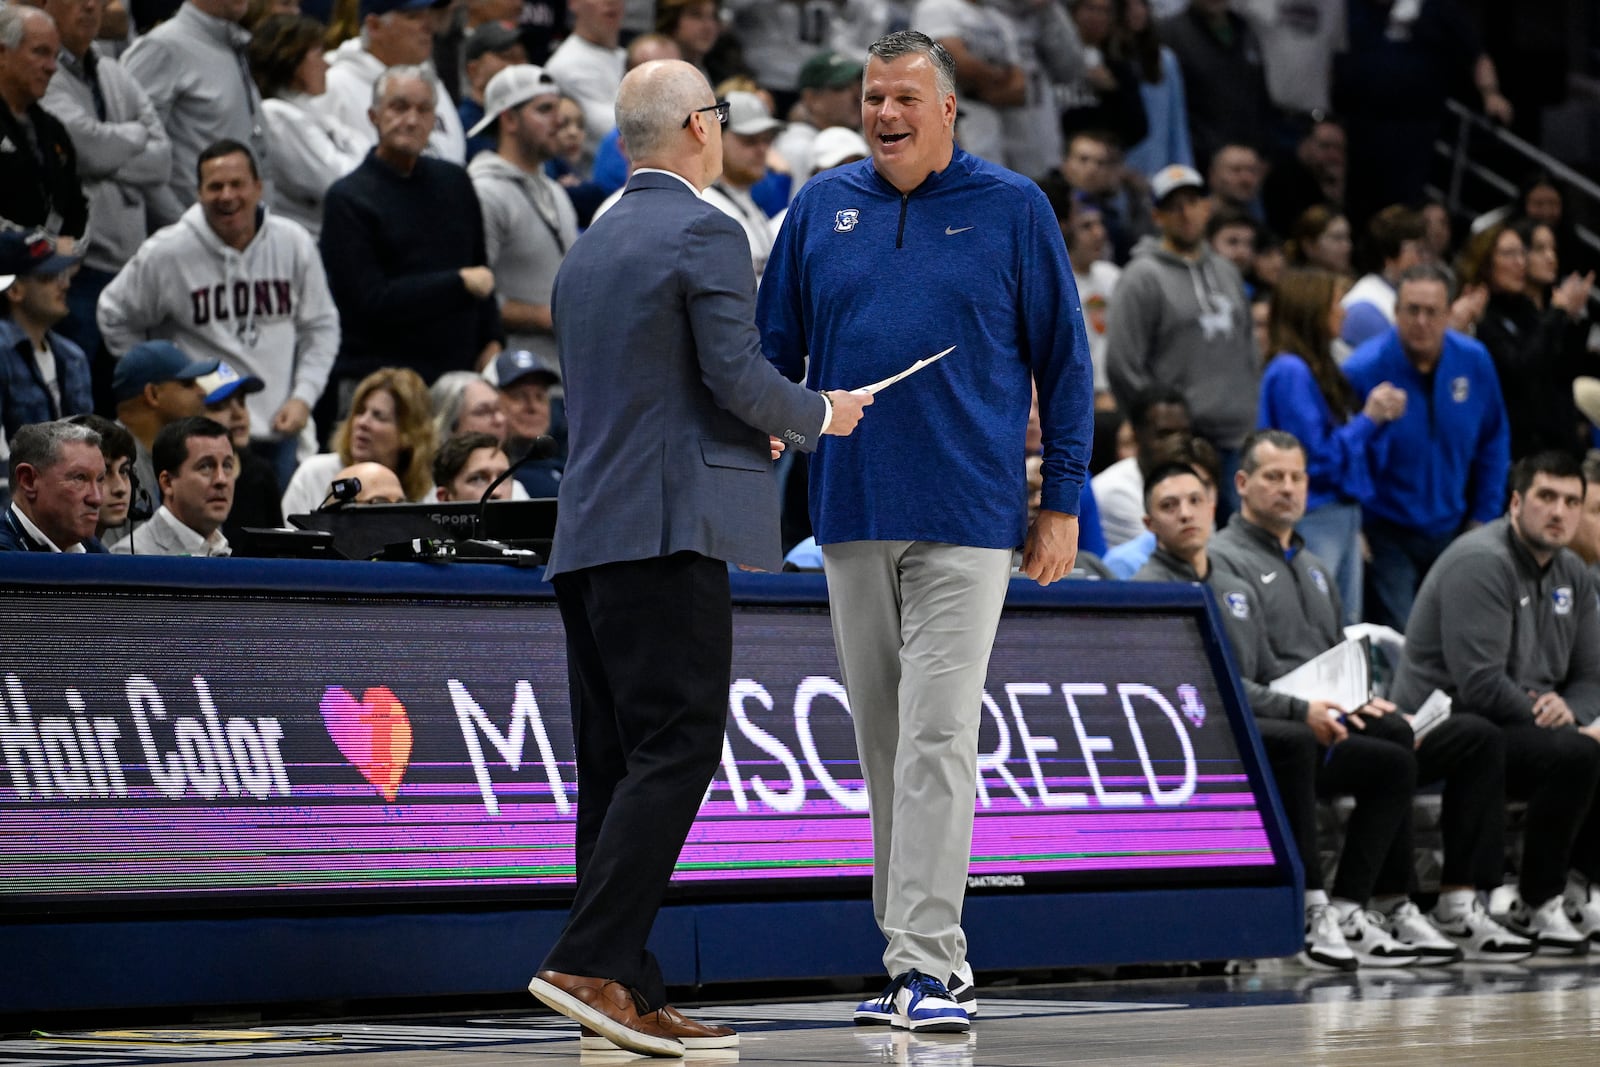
(1507, 625)
(1300, 614)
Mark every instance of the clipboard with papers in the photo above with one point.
(1343, 674)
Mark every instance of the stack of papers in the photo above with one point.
(1343, 674)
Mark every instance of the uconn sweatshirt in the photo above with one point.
(265, 310)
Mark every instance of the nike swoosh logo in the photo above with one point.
(1268, 579)
(951, 231)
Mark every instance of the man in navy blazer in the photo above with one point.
(673, 418)
(57, 474)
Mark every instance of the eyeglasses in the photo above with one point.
(720, 107)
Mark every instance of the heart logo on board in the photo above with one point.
(373, 733)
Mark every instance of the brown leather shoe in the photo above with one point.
(694, 1035)
(606, 1007)
(669, 1022)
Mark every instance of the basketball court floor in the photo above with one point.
(1544, 1013)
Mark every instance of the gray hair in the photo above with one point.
(1428, 272)
(405, 72)
(652, 103)
(447, 397)
(891, 46)
(14, 22)
(1282, 440)
(39, 444)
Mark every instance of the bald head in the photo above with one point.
(652, 102)
(379, 484)
(651, 46)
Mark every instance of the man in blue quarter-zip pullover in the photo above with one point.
(878, 264)
(1442, 465)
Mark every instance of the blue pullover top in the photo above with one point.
(1445, 460)
(1338, 466)
(865, 281)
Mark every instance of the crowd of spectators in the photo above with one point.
(252, 249)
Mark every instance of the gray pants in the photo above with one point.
(913, 623)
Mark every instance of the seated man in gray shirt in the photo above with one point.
(1506, 624)
(1301, 613)
(1179, 510)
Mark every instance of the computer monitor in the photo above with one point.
(361, 531)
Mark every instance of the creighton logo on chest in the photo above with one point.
(846, 220)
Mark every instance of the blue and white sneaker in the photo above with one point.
(963, 991)
(915, 1002)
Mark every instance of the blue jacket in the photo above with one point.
(1165, 107)
(23, 399)
(1445, 460)
(1337, 455)
(865, 282)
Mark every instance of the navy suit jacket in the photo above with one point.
(669, 400)
(13, 538)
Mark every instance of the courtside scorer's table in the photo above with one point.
(214, 772)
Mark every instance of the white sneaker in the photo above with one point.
(1326, 949)
(1481, 937)
(1367, 936)
(1407, 925)
(1582, 905)
(963, 990)
(916, 1002)
(1547, 926)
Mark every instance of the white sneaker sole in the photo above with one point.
(933, 1026)
(602, 1024)
(1387, 961)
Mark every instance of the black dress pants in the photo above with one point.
(1467, 753)
(649, 655)
(1556, 772)
(1374, 765)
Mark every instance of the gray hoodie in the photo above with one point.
(1187, 323)
(528, 225)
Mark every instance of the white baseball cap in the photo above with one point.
(513, 87)
(836, 144)
(1170, 179)
(748, 116)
